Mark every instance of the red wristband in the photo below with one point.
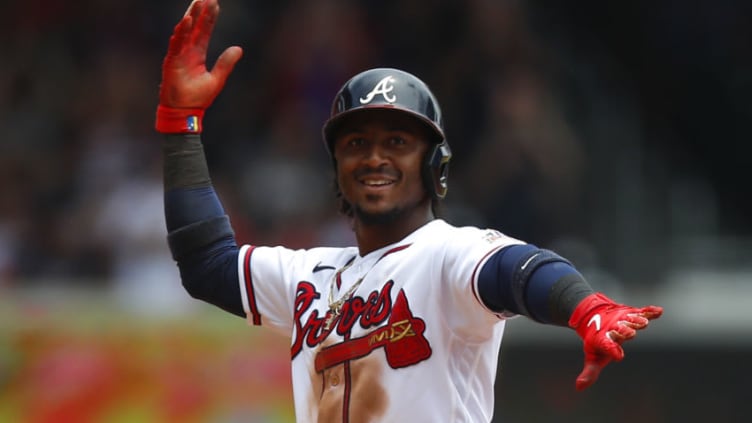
(178, 121)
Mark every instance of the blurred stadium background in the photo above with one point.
(616, 133)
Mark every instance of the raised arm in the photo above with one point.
(199, 232)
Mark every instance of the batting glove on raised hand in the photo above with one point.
(188, 88)
(603, 326)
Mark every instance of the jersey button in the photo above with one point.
(334, 380)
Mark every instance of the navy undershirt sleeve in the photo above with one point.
(209, 273)
(541, 284)
(496, 283)
(186, 206)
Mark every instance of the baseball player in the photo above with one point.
(407, 324)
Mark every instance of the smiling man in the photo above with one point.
(406, 325)
(379, 160)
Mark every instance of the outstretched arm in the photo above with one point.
(199, 233)
(542, 285)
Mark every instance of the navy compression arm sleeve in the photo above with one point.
(186, 206)
(537, 283)
(199, 233)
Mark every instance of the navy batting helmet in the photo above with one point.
(386, 88)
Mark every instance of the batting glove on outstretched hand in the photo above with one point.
(603, 326)
(188, 88)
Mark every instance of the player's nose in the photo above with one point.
(374, 156)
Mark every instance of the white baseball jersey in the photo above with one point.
(411, 340)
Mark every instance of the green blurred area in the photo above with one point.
(81, 356)
(86, 360)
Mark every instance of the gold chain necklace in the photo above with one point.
(335, 307)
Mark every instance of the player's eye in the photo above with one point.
(356, 142)
(397, 140)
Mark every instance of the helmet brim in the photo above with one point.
(333, 125)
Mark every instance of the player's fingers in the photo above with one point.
(621, 333)
(194, 9)
(590, 373)
(651, 312)
(190, 10)
(179, 37)
(189, 20)
(205, 22)
(635, 321)
(226, 62)
(610, 346)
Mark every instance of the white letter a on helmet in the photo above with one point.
(384, 87)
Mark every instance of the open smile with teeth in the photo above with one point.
(377, 182)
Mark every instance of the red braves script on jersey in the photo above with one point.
(362, 327)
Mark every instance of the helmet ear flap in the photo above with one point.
(438, 168)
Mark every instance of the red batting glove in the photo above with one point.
(188, 88)
(603, 326)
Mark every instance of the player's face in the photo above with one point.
(379, 156)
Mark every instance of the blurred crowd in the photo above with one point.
(546, 148)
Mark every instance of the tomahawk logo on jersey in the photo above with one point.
(391, 319)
